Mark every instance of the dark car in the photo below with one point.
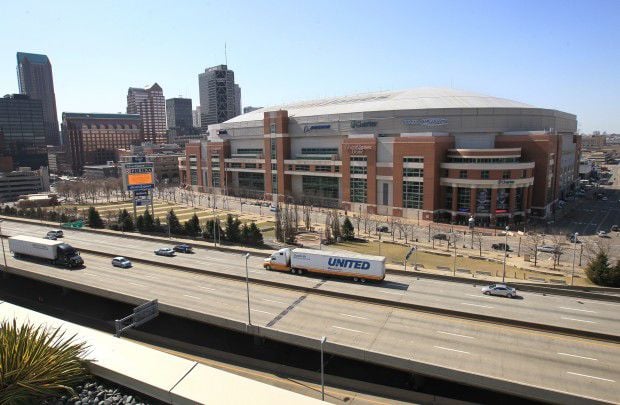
(183, 248)
(440, 236)
(500, 246)
(383, 228)
(57, 233)
(615, 228)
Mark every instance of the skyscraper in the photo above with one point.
(196, 117)
(23, 129)
(150, 104)
(219, 96)
(34, 76)
(179, 113)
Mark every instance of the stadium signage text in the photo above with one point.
(363, 124)
(426, 122)
(308, 128)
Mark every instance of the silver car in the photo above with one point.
(121, 262)
(500, 289)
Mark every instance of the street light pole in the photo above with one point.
(3, 252)
(247, 286)
(505, 253)
(323, 339)
(454, 264)
(572, 276)
(472, 223)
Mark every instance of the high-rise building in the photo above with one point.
(179, 113)
(22, 182)
(34, 76)
(196, 117)
(237, 100)
(23, 128)
(150, 104)
(93, 139)
(218, 96)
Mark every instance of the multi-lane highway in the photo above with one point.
(561, 311)
(562, 363)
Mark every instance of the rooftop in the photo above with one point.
(101, 116)
(413, 99)
(32, 57)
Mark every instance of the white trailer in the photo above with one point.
(357, 266)
(55, 251)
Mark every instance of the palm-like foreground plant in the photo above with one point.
(38, 363)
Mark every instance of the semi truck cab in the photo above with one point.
(68, 256)
(280, 260)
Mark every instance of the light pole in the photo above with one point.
(323, 340)
(505, 253)
(572, 276)
(454, 263)
(472, 223)
(247, 286)
(2, 240)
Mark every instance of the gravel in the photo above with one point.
(96, 393)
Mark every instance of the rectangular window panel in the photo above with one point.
(463, 174)
(215, 179)
(319, 151)
(302, 168)
(413, 194)
(411, 159)
(463, 197)
(359, 159)
(249, 151)
(408, 172)
(322, 168)
(359, 170)
(358, 190)
(274, 184)
(319, 186)
(484, 174)
(251, 181)
(448, 194)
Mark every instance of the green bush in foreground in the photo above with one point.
(38, 363)
(600, 272)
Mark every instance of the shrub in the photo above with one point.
(94, 219)
(348, 232)
(601, 273)
(37, 363)
(233, 231)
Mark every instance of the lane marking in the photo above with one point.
(390, 292)
(354, 316)
(136, 284)
(476, 305)
(206, 288)
(350, 330)
(455, 334)
(605, 303)
(577, 309)
(191, 296)
(579, 357)
(277, 302)
(577, 320)
(452, 350)
(264, 312)
(92, 275)
(591, 376)
(479, 295)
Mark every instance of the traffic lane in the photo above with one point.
(266, 312)
(394, 288)
(531, 358)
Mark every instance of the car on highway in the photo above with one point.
(183, 248)
(50, 237)
(440, 236)
(547, 249)
(604, 198)
(500, 246)
(165, 252)
(602, 234)
(121, 262)
(501, 290)
(56, 233)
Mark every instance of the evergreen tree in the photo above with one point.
(157, 226)
(52, 215)
(233, 232)
(149, 224)
(63, 218)
(173, 222)
(40, 214)
(192, 227)
(256, 237)
(94, 219)
(348, 232)
(335, 226)
(125, 222)
(140, 223)
(601, 273)
(246, 235)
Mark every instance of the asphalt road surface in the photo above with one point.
(562, 311)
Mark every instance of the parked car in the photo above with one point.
(501, 290)
(165, 252)
(615, 228)
(121, 262)
(183, 248)
(273, 209)
(56, 232)
(500, 246)
(383, 228)
(440, 236)
(547, 249)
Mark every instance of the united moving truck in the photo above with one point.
(55, 252)
(344, 264)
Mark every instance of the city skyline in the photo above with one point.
(541, 63)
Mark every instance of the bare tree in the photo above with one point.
(558, 249)
(478, 239)
(534, 240)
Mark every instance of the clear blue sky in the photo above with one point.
(556, 54)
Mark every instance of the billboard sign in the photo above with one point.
(138, 176)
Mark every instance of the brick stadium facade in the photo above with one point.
(437, 154)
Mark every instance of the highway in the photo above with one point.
(566, 364)
(570, 312)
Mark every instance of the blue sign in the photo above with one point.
(141, 193)
(348, 263)
(309, 128)
(140, 187)
(138, 159)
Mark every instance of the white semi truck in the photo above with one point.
(56, 252)
(344, 264)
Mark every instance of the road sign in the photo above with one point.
(138, 159)
(138, 176)
(413, 249)
(141, 193)
(141, 314)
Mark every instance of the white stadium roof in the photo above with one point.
(413, 99)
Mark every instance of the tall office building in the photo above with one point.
(218, 96)
(150, 104)
(34, 76)
(93, 139)
(196, 117)
(179, 113)
(23, 128)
